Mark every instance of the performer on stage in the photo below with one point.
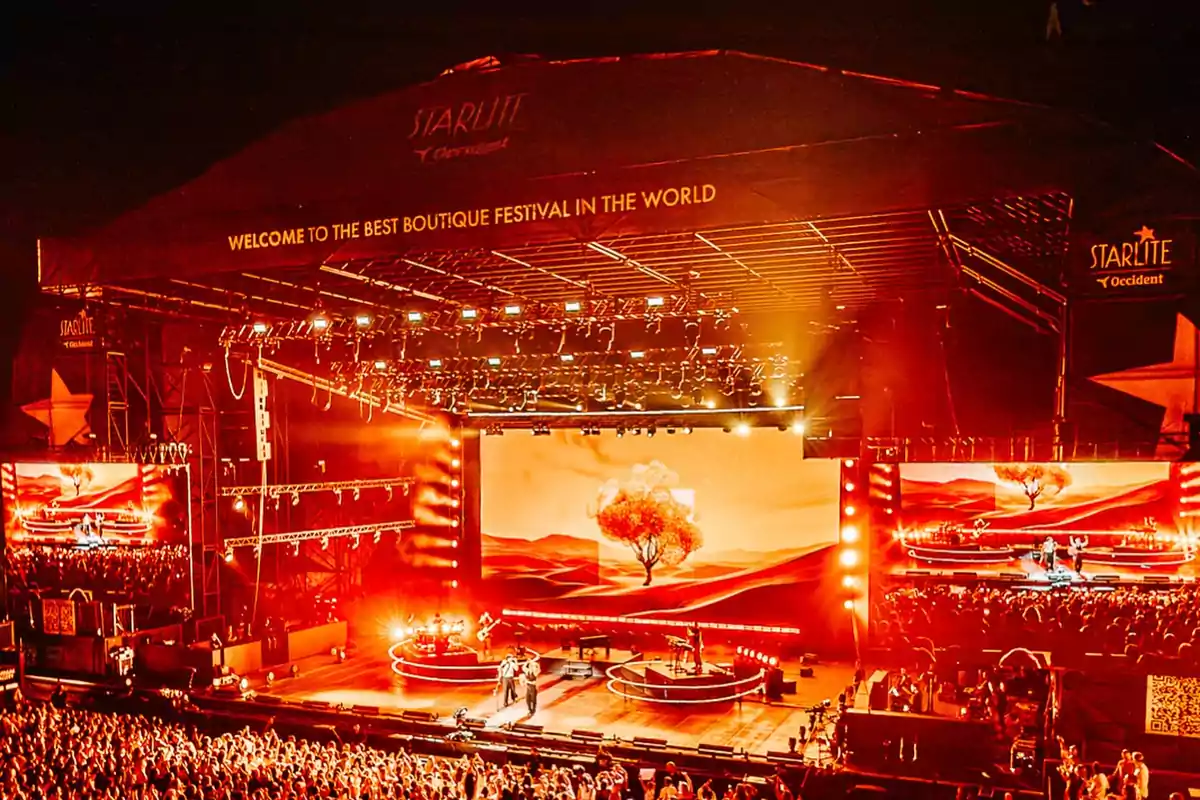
(696, 639)
(484, 633)
(1049, 552)
(529, 675)
(1076, 551)
(506, 679)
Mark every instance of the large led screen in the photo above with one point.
(92, 504)
(1048, 521)
(707, 527)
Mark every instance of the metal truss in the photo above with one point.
(518, 315)
(359, 394)
(295, 537)
(278, 490)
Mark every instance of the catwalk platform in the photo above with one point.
(569, 701)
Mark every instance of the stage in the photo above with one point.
(567, 704)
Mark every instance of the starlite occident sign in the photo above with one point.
(1150, 260)
(1142, 261)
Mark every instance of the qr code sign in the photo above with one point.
(1173, 705)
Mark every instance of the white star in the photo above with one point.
(65, 414)
(1171, 385)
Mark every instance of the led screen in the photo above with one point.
(1122, 518)
(91, 504)
(708, 526)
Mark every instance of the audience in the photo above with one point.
(153, 579)
(1129, 621)
(81, 755)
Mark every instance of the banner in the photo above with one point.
(58, 617)
(1142, 260)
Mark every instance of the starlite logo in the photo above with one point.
(1142, 261)
(468, 128)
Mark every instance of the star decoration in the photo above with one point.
(64, 413)
(1171, 385)
(1145, 234)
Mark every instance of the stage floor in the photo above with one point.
(566, 704)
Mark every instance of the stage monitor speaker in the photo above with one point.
(366, 711)
(971, 575)
(1013, 576)
(317, 705)
(780, 757)
(528, 730)
(1156, 579)
(474, 723)
(878, 698)
(419, 716)
(650, 744)
(714, 749)
(269, 699)
(1105, 578)
(789, 687)
(806, 672)
(918, 573)
(809, 658)
(587, 736)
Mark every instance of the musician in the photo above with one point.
(1049, 553)
(506, 679)
(696, 640)
(529, 676)
(484, 628)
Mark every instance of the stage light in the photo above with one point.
(453, 523)
(260, 327)
(849, 486)
(320, 323)
(708, 351)
(454, 584)
(849, 582)
(415, 316)
(774, 662)
(654, 302)
(512, 310)
(239, 505)
(455, 463)
(848, 463)
(454, 544)
(579, 406)
(687, 428)
(798, 428)
(244, 684)
(779, 402)
(397, 633)
(468, 313)
(710, 404)
(849, 534)
(742, 429)
(454, 483)
(566, 358)
(849, 558)
(572, 306)
(493, 361)
(435, 363)
(740, 650)
(363, 320)
(651, 431)
(637, 355)
(454, 503)
(228, 555)
(848, 605)
(849, 511)
(453, 565)
(295, 498)
(381, 365)
(270, 678)
(454, 442)
(620, 433)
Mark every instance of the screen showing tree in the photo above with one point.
(708, 526)
(1056, 521)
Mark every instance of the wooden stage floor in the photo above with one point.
(565, 705)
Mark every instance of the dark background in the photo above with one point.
(103, 106)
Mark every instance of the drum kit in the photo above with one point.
(439, 635)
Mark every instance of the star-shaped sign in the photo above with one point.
(1171, 385)
(64, 413)
(1145, 234)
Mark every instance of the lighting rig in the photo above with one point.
(324, 534)
(339, 489)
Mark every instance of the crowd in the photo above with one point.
(49, 752)
(150, 578)
(1129, 621)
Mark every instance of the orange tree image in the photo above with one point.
(1035, 479)
(646, 517)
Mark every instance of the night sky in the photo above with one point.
(103, 106)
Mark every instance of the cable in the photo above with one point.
(237, 393)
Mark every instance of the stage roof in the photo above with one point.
(748, 181)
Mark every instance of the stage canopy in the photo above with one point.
(741, 180)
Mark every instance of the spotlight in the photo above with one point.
(270, 678)
(850, 534)
(848, 463)
(849, 511)
(295, 498)
(455, 443)
(849, 486)
(381, 365)
(239, 505)
(469, 313)
(849, 558)
(341, 654)
(415, 317)
(708, 351)
(566, 358)
(512, 310)
(320, 323)
(654, 302)
(849, 582)
(295, 670)
(798, 428)
(637, 355)
(848, 605)
(454, 584)
(620, 433)
(228, 555)
(244, 684)
(455, 463)
(651, 431)
(260, 328)
(573, 306)
(435, 363)
(742, 429)
(363, 320)
(454, 483)
(493, 361)
(397, 633)
(687, 428)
